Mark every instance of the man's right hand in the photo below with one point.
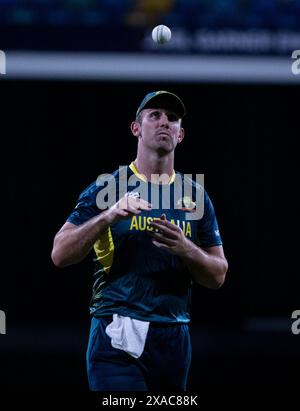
(126, 207)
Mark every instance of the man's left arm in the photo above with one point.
(208, 266)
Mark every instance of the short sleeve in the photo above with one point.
(208, 234)
(86, 207)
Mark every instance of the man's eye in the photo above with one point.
(155, 114)
(172, 117)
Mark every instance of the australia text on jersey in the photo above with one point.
(186, 196)
(142, 223)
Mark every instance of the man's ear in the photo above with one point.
(181, 135)
(135, 128)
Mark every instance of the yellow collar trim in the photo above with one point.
(143, 178)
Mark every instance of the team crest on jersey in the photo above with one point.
(186, 204)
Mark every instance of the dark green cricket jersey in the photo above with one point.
(132, 276)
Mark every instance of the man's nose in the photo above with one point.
(164, 120)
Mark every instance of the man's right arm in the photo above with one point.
(73, 243)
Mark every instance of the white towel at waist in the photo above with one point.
(128, 334)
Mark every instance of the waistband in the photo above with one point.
(153, 324)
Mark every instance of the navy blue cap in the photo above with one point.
(163, 99)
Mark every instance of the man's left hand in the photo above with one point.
(169, 237)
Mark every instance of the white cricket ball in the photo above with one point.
(161, 34)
